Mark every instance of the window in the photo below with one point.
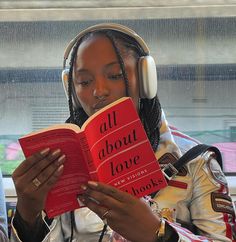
(233, 133)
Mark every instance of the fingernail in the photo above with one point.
(45, 151)
(56, 152)
(61, 159)
(93, 183)
(60, 169)
(81, 201)
(84, 187)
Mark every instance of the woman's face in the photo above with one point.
(97, 75)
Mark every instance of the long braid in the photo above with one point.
(70, 83)
(70, 102)
(120, 59)
(150, 115)
(78, 115)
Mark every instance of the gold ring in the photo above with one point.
(104, 219)
(36, 182)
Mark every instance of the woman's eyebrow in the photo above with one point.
(82, 70)
(112, 64)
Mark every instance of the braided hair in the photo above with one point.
(149, 109)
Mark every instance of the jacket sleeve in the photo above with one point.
(54, 232)
(211, 207)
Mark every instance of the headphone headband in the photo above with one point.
(146, 64)
(110, 26)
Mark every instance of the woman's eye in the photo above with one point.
(116, 76)
(83, 82)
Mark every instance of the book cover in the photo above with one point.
(111, 147)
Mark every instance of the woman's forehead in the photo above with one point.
(94, 38)
(95, 45)
(95, 52)
(102, 40)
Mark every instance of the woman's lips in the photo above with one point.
(99, 105)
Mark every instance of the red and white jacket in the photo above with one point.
(199, 195)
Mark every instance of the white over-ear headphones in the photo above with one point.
(146, 63)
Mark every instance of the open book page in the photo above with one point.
(68, 126)
(63, 196)
(122, 154)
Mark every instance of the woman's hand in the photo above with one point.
(33, 178)
(130, 217)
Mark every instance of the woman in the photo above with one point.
(110, 61)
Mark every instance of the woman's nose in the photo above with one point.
(101, 89)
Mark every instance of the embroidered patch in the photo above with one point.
(216, 172)
(170, 158)
(222, 203)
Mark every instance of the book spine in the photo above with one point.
(88, 158)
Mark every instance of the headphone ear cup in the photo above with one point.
(147, 77)
(65, 80)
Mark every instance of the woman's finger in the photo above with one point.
(101, 210)
(48, 172)
(110, 191)
(49, 175)
(39, 167)
(46, 186)
(30, 161)
(97, 198)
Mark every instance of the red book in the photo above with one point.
(111, 147)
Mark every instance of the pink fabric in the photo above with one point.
(228, 151)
